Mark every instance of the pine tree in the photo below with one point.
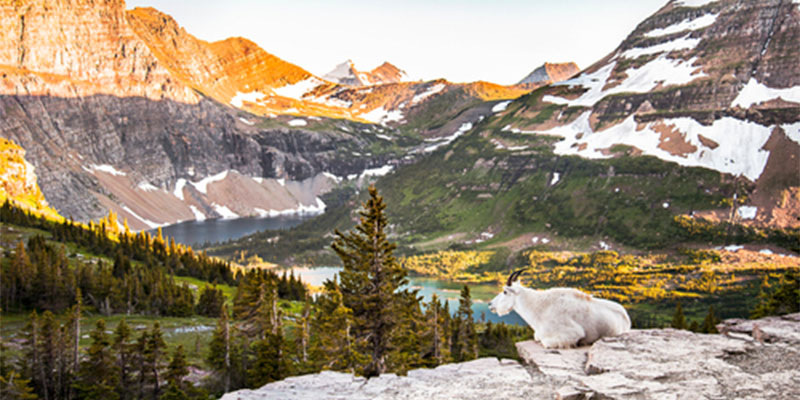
(407, 344)
(177, 370)
(466, 335)
(678, 319)
(334, 345)
(369, 281)
(219, 355)
(710, 322)
(153, 359)
(124, 349)
(97, 376)
(436, 350)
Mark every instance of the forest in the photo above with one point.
(269, 328)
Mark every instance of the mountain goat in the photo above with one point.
(561, 317)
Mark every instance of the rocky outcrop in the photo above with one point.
(656, 364)
(551, 73)
(642, 364)
(481, 379)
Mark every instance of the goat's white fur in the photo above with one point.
(562, 317)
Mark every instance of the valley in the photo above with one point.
(248, 220)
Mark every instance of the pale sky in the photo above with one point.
(499, 41)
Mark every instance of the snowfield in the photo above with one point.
(739, 152)
(685, 25)
(756, 93)
(661, 71)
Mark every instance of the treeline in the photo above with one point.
(727, 233)
(42, 277)
(115, 366)
(107, 239)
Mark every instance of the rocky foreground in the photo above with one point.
(750, 360)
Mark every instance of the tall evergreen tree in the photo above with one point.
(710, 322)
(219, 355)
(435, 348)
(465, 336)
(123, 349)
(334, 345)
(678, 319)
(97, 376)
(370, 279)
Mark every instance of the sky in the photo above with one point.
(499, 41)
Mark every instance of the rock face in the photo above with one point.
(662, 364)
(714, 84)
(18, 180)
(87, 87)
(481, 379)
(551, 73)
(642, 364)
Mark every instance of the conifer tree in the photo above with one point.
(123, 349)
(436, 350)
(465, 335)
(97, 376)
(369, 281)
(153, 355)
(334, 346)
(219, 356)
(177, 370)
(710, 322)
(678, 319)
(407, 344)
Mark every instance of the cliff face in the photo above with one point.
(81, 92)
(123, 109)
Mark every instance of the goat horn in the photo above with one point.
(513, 277)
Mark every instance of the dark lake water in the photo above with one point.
(194, 233)
(481, 293)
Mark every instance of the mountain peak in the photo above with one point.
(347, 74)
(551, 73)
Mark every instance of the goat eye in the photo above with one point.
(505, 291)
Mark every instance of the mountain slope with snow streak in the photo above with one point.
(714, 84)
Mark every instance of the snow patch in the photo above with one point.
(382, 171)
(739, 152)
(299, 89)
(198, 215)
(756, 93)
(768, 251)
(665, 205)
(684, 43)
(282, 182)
(337, 179)
(381, 116)
(150, 224)
(792, 130)
(105, 168)
(465, 127)
(430, 91)
(661, 71)
(694, 3)
(384, 137)
(748, 212)
(685, 25)
(604, 245)
(298, 122)
(246, 121)
(147, 187)
(202, 185)
(733, 248)
(250, 97)
(179, 188)
(224, 211)
(500, 107)
(556, 178)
